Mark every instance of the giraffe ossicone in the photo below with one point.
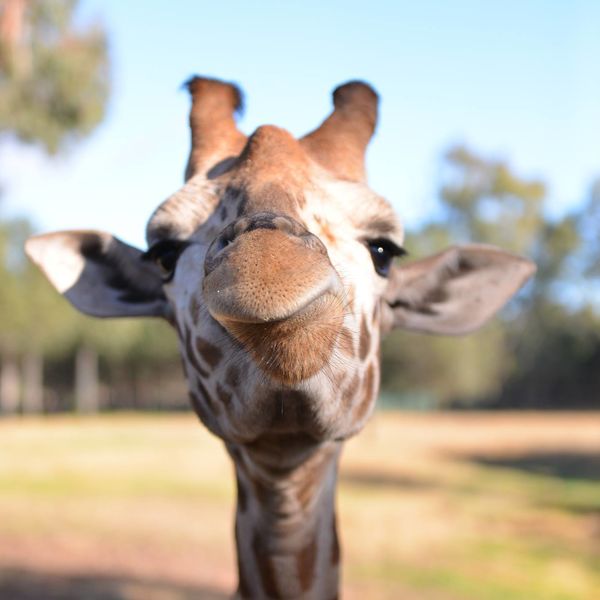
(275, 264)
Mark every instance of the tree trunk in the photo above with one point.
(86, 380)
(33, 376)
(9, 386)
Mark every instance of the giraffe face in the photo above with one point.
(276, 296)
(274, 264)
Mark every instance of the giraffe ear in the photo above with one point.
(99, 274)
(456, 291)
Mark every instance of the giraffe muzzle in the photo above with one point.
(266, 268)
(274, 289)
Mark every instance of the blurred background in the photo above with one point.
(482, 462)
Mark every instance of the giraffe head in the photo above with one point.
(274, 262)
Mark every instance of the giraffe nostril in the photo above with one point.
(224, 239)
(221, 243)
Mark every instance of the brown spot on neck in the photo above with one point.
(285, 529)
(306, 560)
(244, 589)
(265, 567)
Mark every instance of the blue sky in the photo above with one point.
(514, 79)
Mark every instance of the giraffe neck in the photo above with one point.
(285, 530)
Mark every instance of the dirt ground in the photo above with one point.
(431, 507)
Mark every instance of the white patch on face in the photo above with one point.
(334, 212)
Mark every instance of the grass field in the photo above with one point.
(431, 507)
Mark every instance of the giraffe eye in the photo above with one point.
(165, 254)
(383, 252)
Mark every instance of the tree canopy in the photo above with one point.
(54, 75)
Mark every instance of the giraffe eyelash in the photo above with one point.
(165, 255)
(383, 251)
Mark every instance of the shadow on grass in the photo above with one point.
(385, 480)
(568, 481)
(19, 584)
(564, 465)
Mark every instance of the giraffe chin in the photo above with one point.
(293, 349)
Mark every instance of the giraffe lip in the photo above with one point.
(299, 314)
(223, 309)
(297, 347)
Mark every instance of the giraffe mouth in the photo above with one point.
(280, 297)
(225, 306)
(294, 348)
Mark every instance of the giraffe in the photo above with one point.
(275, 265)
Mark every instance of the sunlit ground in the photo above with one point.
(431, 507)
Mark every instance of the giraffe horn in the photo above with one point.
(215, 136)
(340, 142)
(216, 144)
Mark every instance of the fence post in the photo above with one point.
(86, 380)
(33, 383)
(10, 385)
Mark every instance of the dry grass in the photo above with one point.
(461, 506)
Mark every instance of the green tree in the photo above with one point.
(482, 201)
(54, 84)
(54, 77)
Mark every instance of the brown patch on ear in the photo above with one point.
(265, 567)
(365, 339)
(211, 354)
(306, 564)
